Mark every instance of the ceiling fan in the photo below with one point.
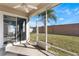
(26, 7)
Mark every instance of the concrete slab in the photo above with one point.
(28, 51)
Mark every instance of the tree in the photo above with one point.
(51, 15)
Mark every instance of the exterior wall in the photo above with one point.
(68, 29)
(1, 30)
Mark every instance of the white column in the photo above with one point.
(27, 32)
(46, 31)
(37, 30)
(1, 30)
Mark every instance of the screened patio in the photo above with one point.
(25, 11)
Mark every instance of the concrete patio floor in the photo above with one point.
(29, 50)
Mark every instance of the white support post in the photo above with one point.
(37, 30)
(27, 32)
(46, 31)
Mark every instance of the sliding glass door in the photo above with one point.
(14, 29)
(21, 29)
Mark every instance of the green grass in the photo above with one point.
(70, 43)
(59, 52)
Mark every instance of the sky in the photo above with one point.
(67, 13)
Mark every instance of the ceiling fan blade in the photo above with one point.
(26, 10)
(17, 6)
(30, 6)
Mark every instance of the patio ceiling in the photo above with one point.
(9, 7)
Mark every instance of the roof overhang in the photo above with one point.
(41, 7)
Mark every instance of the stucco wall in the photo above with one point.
(69, 29)
(1, 30)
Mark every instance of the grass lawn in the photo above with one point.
(70, 43)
